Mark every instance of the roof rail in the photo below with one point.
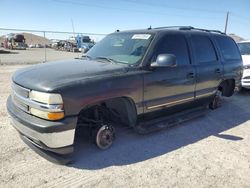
(174, 27)
(208, 30)
(190, 28)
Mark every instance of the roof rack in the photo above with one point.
(207, 30)
(174, 27)
(190, 28)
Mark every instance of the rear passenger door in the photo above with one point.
(209, 70)
(231, 58)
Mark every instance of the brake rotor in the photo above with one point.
(105, 136)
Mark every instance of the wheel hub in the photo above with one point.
(105, 136)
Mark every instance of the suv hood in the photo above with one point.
(49, 76)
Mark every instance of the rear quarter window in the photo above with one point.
(228, 48)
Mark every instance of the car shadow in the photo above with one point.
(244, 92)
(130, 147)
(229, 137)
(3, 51)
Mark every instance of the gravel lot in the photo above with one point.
(211, 151)
(34, 55)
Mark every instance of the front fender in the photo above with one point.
(86, 92)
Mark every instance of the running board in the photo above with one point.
(170, 121)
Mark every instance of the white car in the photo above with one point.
(244, 47)
(32, 46)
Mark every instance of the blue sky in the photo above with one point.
(105, 16)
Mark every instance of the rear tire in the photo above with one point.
(217, 100)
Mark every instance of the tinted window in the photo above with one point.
(228, 48)
(203, 49)
(176, 45)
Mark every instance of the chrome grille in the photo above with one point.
(18, 95)
(247, 77)
(23, 92)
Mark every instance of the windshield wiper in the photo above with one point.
(86, 56)
(111, 60)
(106, 58)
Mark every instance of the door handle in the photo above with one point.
(190, 75)
(217, 71)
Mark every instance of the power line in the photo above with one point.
(43, 31)
(127, 10)
(242, 17)
(245, 22)
(167, 6)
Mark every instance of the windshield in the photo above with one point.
(86, 40)
(244, 48)
(127, 48)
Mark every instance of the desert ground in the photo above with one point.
(34, 55)
(210, 151)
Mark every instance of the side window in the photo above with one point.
(228, 48)
(203, 49)
(176, 45)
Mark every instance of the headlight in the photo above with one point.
(246, 66)
(46, 98)
(46, 105)
(47, 115)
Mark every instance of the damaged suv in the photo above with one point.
(144, 79)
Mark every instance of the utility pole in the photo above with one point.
(72, 23)
(226, 22)
(45, 52)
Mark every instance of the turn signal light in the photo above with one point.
(55, 115)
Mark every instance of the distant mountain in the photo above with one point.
(35, 39)
(236, 37)
(32, 39)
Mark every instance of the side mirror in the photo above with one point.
(165, 60)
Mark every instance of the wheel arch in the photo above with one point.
(124, 105)
(227, 87)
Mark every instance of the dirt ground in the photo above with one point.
(211, 151)
(34, 55)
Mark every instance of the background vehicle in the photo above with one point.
(15, 42)
(244, 47)
(32, 46)
(39, 46)
(144, 79)
(84, 43)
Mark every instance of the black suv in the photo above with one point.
(138, 78)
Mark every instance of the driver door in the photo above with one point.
(168, 86)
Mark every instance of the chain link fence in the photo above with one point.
(19, 46)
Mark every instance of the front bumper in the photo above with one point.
(245, 81)
(52, 136)
(49, 141)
